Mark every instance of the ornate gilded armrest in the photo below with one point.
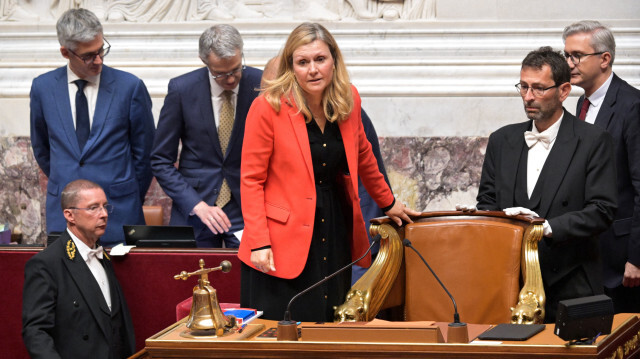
(364, 300)
(531, 301)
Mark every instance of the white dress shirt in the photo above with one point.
(95, 266)
(216, 98)
(90, 91)
(538, 154)
(596, 99)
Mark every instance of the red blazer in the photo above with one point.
(277, 184)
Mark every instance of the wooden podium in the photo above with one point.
(623, 342)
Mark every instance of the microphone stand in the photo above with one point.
(457, 332)
(287, 328)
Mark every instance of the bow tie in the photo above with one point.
(532, 138)
(95, 253)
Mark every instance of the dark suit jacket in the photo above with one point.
(620, 116)
(578, 196)
(368, 206)
(64, 314)
(116, 155)
(187, 117)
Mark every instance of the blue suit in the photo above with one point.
(187, 118)
(116, 155)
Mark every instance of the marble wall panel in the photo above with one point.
(427, 173)
(21, 192)
(434, 173)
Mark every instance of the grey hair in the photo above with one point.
(77, 25)
(71, 193)
(222, 40)
(602, 39)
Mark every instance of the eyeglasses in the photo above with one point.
(234, 72)
(90, 58)
(95, 210)
(575, 58)
(537, 91)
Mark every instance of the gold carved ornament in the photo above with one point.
(532, 299)
(366, 296)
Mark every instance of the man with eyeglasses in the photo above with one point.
(612, 104)
(205, 112)
(91, 121)
(72, 303)
(556, 167)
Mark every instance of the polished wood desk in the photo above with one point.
(623, 342)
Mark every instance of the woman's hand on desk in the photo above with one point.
(399, 212)
(263, 260)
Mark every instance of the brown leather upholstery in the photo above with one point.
(487, 260)
(477, 260)
(153, 215)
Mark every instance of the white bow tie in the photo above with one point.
(532, 138)
(95, 252)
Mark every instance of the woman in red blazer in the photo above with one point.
(304, 147)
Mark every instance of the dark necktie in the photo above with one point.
(584, 109)
(82, 114)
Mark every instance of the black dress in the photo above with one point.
(329, 250)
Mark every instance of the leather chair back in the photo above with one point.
(477, 260)
(153, 215)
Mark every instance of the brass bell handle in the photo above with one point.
(225, 267)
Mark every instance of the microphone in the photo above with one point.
(287, 329)
(457, 331)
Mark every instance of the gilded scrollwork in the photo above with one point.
(366, 296)
(531, 301)
(631, 345)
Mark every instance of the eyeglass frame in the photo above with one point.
(580, 56)
(519, 88)
(90, 58)
(233, 72)
(93, 210)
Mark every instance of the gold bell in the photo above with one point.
(206, 316)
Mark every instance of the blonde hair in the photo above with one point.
(337, 101)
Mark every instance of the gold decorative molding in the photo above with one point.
(531, 301)
(367, 295)
(631, 344)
